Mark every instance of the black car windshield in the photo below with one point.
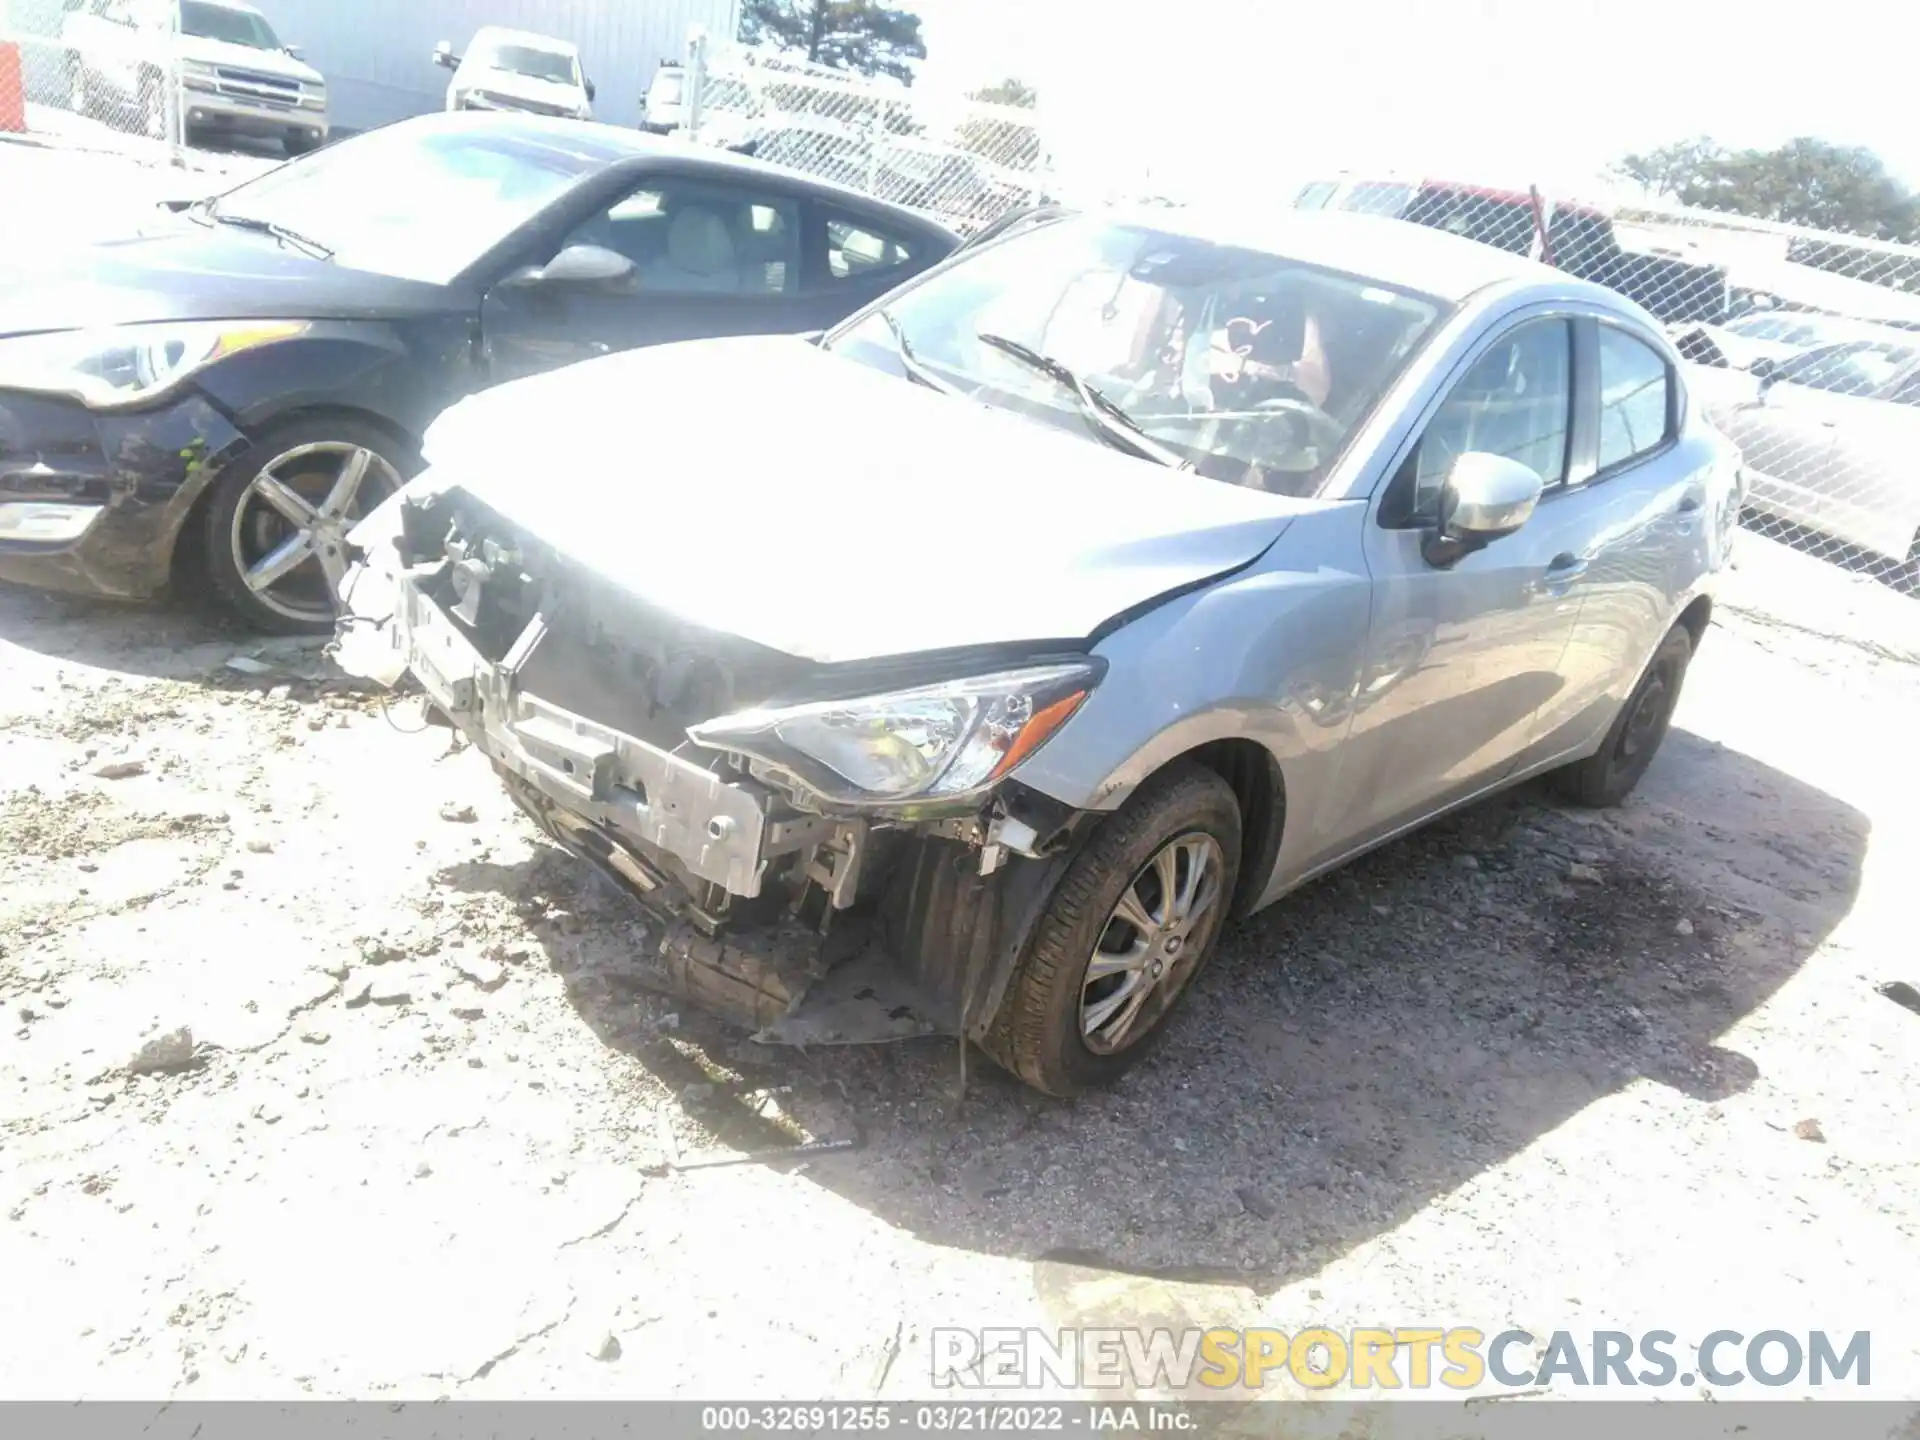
(421, 200)
(236, 27)
(1249, 367)
(553, 65)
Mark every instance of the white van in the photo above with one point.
(517, 70)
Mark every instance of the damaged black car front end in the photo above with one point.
(827, 853)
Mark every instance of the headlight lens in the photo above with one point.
(129, 364)
(937, 743)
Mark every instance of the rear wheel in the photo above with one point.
(1608, 776)
(1134, 920)
(276, 526)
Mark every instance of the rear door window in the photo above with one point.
(857, 249)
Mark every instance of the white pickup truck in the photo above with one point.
(514, 70)
(235, 75)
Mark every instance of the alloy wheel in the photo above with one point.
(289, 529)
(1152, 943)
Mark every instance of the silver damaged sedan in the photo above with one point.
(966, 669)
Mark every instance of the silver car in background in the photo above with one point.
(965, 670)
(1830, 435)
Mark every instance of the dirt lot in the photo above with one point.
(1531, 1067)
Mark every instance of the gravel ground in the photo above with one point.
(324, 1077)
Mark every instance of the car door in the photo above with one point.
(709, 255)
(1460, 660)
(1633, 527)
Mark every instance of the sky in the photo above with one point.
(1206, 93)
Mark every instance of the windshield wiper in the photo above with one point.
(1115, 425)
(215, 215)
(911, 362)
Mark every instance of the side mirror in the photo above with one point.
(292, 50)
(1766, 370)
(582, 265)
(444, 57)
(589, 89)
(1485, 498)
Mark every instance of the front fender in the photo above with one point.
(1271, 655)
(402, 374)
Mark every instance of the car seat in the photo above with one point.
(700, 254)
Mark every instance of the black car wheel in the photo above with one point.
(276, 526)
(1134, 920)
(1608, 776)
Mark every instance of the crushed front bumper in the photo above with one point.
(636, 812)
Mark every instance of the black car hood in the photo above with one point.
(198, 273)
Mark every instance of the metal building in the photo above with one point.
(377, 55)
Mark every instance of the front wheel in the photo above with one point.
(276, 526)
(1606, 777)
(1132, 923)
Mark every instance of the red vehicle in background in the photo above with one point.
(1579, 239)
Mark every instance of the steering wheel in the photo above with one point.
(1309, 425)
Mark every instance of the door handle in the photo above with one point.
(1562, 571)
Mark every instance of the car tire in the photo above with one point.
(247, 522)
(1051, 1030)
(1608, 776)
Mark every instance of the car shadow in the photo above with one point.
(1368, 1044)
(183, 639)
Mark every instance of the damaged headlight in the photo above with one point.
(130, 364)
(935, 743)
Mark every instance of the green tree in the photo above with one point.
(1016, 93)
(1807, 181)
(1002, 139)
(864, 36)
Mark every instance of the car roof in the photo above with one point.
(602, 144)
(501, 35)
(240, 5)
(1395, 252)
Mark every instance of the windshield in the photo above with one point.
(1775, 327)
(1861, 368)
(415, 200)
(1252, 368)
(551, 65)
(236, 27)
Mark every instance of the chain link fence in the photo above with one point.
(93, 74)
(1802, 346)
(966, 161)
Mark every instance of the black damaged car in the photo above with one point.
(216, 400)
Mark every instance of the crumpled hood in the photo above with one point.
(824, 508)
